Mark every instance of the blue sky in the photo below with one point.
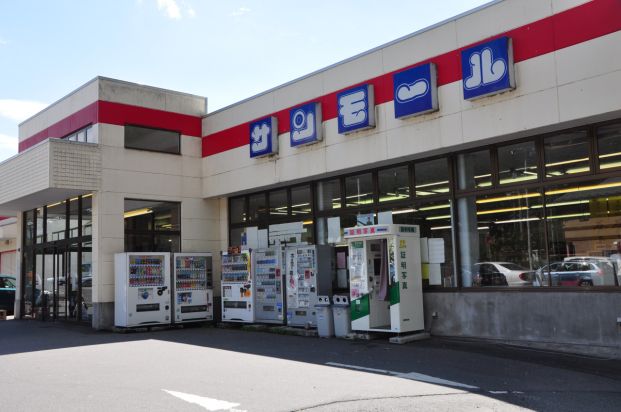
(225, 50)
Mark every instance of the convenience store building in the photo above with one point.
(498, 131)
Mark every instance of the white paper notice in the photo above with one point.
(424, 250)
(252, 237)
(436, 250)
(384, 218)
(262, 234)
(334, 230)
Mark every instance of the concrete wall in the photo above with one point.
(580, 322)
(137, 174)
(552, 91)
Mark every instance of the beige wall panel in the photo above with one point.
(413, 139)
(251, 110)
(192, 208)
(301, 166)
(358, 70)
(451, 130)
(105, 294)
(239, 179)
(285, 149)
(298, 92)
(230, 160)
(151, 97)
(200, 229)
(126, 94)
(112, 226)
(191, 146)
(499, 18)
(511, 116)
(359, 150)
(562, 5)
(603, 94)
(70, 104)
(218, 121)
(589, 59)
(425, 45)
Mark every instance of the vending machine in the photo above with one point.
(310, 271)
(385, 278)
(142, 289)
(267, 268)
(236, 283)
(193, 287)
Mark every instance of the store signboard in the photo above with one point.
(487, 68)
(305, 124)
(415, 91)
(356, 109)
(264, 137)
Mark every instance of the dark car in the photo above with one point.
(7, 293)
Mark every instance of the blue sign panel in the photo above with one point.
(487, 68)
(305, 124)
(264, 137)
(415, 91)
(356, 109)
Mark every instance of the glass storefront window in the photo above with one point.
(238, 210)
(87, 215)
(40, 225)
(235, 236)
(609, 146)
(278, 203)
(152, 226)
(584, 233)
(74, 213)
(257, 209)
(517, 163)
(329, 195)
(56, 221)
(566, 154)
(29, 234)
(359, 190)
(431, 178)
(474, 170)
(87, 281)
(501, 239)
(301, 201)
(394, 184)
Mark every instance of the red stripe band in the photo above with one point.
(580, 24)
(117, 114)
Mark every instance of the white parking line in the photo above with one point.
(210, 404)
(410, 375)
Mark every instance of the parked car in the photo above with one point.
(501, 274)
(578, 271)
(7, 293)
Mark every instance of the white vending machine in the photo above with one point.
(267, 268)
(385, 278)
(142, 289)
(193, 288)
(236, 283)
(310, 271)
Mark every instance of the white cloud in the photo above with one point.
(19, 110)
(8, 146)
(240, 12)
(3, 42)
(191, 12)
(170, 8)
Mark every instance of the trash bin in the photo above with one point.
(325, 322)
(342, 316)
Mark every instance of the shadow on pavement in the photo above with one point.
(482, 365)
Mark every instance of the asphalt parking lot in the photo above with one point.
(65, 367)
